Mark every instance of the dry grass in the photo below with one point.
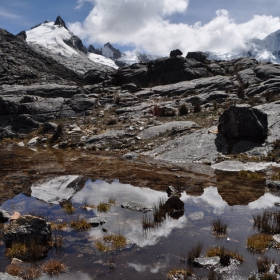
(110, 243)
(259, 242)
(183, 109)
(148, 223)
(15, 269)
(263, 264)
(195, 252)
(69, 208)
(58, 226)
(103, 207)
(268, 276)
(178, 273)
(58, 241)
(17, 250)
(250, 175)
(275, 176)
(268, 221)
(80, 224)
(219, 227)
(53, 267)
(159, 211)
(224, 254)
(112, 200)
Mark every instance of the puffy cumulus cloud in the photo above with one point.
(146, 25)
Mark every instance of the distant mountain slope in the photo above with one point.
(265, 50)
(59, 40)
(22, 64)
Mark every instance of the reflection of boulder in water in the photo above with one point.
(174, 207)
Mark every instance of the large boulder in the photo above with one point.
(175, 53)
(243, 121)
(199, 56)
(27, 228)
(96, 76)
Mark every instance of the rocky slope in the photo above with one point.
(168, 108)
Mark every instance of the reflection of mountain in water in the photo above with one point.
(129, 222)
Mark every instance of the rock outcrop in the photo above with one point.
(243, 121)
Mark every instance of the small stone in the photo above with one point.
(20, 144)
(196, 216)
(276, 237)
(15, 216)
(96, 221)
(33, 141)
(204, 262)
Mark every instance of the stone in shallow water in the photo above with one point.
(196, 216)
(212, 261)
(96, 221)
(137, 206)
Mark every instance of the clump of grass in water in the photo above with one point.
(86, 205)
(103, 207)
(195, 251)
(148, 223)
(69, 208)
(159, 212)
(268, 221)
(58, 241)
(80, 224)
(224, 254)
(250, 175)
(219, 227)
(112, 200)
(259, 242)
(58, 226)
(54, 267)
(26, 271)
(263, 264)
(178, 273)
(110, 243)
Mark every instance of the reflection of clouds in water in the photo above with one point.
(135, 233)
(142, 268)
(267, 200)
(128, 221)
(98, 191)
(211, 196)
(71, 276)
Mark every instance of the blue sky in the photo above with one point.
(151, 25)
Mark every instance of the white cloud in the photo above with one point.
(7, 15)
(146, 25)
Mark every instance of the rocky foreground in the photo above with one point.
(176, 109)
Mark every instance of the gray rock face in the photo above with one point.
(96, 221)
(21, 64)
(28, 227)
(204, 262)
(195, 147)
(243, 121)
(96, 76)
(4, 216)
(60, 22)
(137, 206)
(161, 71)
(161, 129)
(199, 56)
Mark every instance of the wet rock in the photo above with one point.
(199, 56)
(96, 221)
(28, 227)
(175, 53)
(196, 216)
(161, 129)
(205, 262)
(174, 206)
(235, 166)
(243, 121)
(4, 216)
(137, 206)
(273, 184)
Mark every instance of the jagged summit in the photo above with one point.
(60, 22)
